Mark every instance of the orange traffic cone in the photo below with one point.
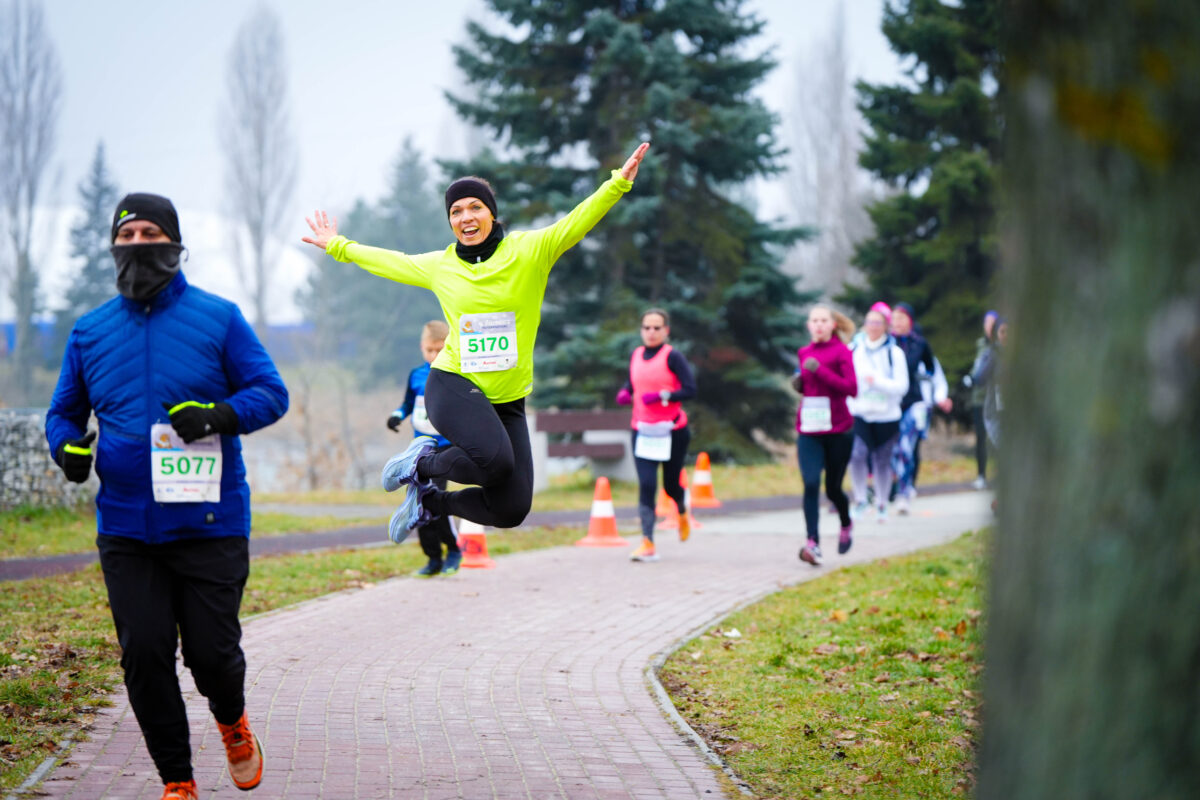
(703, 497)
(602, 527)
(472, 540)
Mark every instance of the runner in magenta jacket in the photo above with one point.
(825, 378)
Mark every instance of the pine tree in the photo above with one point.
(571, 93)
(936, 139)
(374, 322)
(91, 238)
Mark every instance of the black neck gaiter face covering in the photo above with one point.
(144, 270)
(475, 253)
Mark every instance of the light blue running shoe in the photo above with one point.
(412, 513)
(402, 467)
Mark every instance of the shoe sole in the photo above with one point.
(808, 558)
(643, 558)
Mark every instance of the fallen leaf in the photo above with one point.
(733, 633)
(826, 649)
(839, 615)
(873, 610)
(940, 634)
(883, 677)
(888, 698)
(913, 759)
(961, 628)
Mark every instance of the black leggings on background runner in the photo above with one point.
(437, 533)
(191, 589)
(490, 452)
(829, 452)
(647, 471)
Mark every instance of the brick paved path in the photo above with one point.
(527, 681)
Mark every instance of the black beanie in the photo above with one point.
(150, 207)
(471, 187)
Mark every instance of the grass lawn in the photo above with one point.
(32, 532)
(59, 654)
(574, 491)
(861, 683)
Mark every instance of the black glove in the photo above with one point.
(394, 422)
(75, 457)
(192, 420)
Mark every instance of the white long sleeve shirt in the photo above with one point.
(882, 380)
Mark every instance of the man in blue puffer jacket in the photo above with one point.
(174, 375)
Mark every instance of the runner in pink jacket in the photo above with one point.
(825, 378)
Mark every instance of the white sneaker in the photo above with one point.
(857, 510)
(979, 483)
(881, 518)
(902, 505)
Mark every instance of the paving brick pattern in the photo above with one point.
(527, 681)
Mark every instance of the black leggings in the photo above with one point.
(981, 443)
(490, 451)
(158, 593)
(648, 478)
(829, 452)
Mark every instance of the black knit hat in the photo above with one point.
(471, 187)
(150, 207)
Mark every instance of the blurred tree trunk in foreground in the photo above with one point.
(1092, 687)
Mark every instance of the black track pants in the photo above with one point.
(188, 591)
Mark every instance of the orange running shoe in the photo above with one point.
(244, 752)
(180, 790)
(685, 526)
(644, 552)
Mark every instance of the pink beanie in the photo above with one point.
(884, 309)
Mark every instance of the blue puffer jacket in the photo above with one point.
(124, 360)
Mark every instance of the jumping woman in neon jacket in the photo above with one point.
(490, 285)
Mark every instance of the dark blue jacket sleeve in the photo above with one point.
(683, 371)
(410, 398)
(259, 396)
(70, 406)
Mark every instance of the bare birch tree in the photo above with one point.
(828, 188)
(260, 151)
(30, 95)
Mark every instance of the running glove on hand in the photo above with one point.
(811, 364)
(192, 420)
(650, 398)
(394, 421)
(624, 398)
(75, 457)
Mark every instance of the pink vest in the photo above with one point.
(654, 376)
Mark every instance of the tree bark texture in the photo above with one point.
(1092, 687)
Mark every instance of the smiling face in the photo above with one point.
(470, 220)
(820, 324)
(654, 330)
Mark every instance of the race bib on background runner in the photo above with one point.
(654, 441)
(816, 416)
(184, 473)
(420, 419)
(488, 342)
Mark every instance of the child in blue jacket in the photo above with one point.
(440, 531)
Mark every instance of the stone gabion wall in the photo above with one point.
(28, 476)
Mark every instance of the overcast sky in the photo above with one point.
(148, 78)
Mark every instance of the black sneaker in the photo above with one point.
(434, 567)
(453, 561)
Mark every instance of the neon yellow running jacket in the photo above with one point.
(513, 281)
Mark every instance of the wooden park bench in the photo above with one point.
(602, 437)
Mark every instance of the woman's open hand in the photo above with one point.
(323, 230)
(629, 171)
